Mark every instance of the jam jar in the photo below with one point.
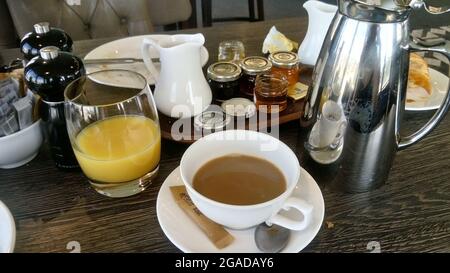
(48, 75)
(271, 92)
(43, 36)
(252, 67)
(223, 77)
(286, 63)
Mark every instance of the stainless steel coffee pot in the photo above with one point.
(354, 106)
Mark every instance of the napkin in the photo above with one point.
(277, 41)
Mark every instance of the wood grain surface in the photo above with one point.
(411, 213)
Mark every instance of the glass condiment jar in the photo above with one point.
(271, 92)
(252, 67)
(48, 75)
(231, 51)
(286, 63)
(43, 36)
(223, 78)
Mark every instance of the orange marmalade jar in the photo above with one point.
(286, 63)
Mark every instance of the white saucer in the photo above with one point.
(188, 237)
(7, 230)
(439, 83)
(129, 47)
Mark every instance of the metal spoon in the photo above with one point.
(271, 239)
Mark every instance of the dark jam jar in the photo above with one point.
(223, 77)
(43, 36)
(252, 67)
(48, 75)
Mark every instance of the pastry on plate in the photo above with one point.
(419, 82)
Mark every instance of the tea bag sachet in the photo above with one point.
(16, 109)
(8, 117)
(215, 232)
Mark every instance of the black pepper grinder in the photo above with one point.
(43, 36)
(48, 75)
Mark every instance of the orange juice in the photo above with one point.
(119, 149)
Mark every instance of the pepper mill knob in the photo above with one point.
(49, 52)
(42, 27)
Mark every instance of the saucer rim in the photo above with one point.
(186, 250)
(9, 221)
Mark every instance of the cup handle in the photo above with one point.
(145, 51)
(333, 145)
(292, 202)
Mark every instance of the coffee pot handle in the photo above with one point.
(439, 114)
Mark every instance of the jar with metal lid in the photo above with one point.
(231, 51)
(271, 92)
(48, 75)
(223, 77)
(42, 36)
(252, 67)
(286, 63)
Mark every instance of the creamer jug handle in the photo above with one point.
(145, 51)
(439, 114)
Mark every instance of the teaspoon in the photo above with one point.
(271, 239)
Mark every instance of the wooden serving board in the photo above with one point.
(260, 121)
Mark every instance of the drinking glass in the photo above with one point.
(114, 131)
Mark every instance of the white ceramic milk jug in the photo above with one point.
(181, 89)
(320, 16)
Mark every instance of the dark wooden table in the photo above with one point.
(411, 213)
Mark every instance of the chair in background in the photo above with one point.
(173, 14)
(7, 33)
(255, 10)
(90, 19)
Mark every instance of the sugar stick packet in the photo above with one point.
(215, 232)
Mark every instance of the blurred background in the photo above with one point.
(87, 19)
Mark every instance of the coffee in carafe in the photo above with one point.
(353, 110)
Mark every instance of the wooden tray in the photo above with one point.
(291, 113)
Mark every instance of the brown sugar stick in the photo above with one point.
(215, 232)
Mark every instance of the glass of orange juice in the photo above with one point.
(113, 127)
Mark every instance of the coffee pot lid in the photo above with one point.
(377, 11)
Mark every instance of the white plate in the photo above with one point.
(7, 230)
(129, 47)
(188, 237)
(439, 84)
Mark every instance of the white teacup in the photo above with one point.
(255, 144)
